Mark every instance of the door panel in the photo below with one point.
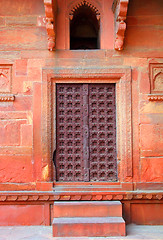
(86, 132)
(102, 137)
(69, 151)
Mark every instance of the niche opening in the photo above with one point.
(84, 29)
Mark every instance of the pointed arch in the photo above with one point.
(84, 3)
(84, 26)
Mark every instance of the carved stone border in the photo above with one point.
(122, 78)
(120, 8)
(7, 97)
(155, 97)
(51, 196)
(50, 12)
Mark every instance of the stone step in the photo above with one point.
(88, 209)
(88, 227)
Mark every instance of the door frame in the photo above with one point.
(122, 78)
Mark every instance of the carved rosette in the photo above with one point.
(50, 12)
(120, 10)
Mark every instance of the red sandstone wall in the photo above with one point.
(23, 45)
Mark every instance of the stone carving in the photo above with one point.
(7, 97)
(5, 79)
(50, 12)
(120, 10)
(156, 80)
(35, 197)
(84, 3)
(153, 97)
(156, 77)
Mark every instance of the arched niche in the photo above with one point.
(84, 27)
(158, 82)
(112, 22)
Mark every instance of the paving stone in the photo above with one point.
(134, 232)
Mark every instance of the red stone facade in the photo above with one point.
(29, 73)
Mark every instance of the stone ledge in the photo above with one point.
(38, 196)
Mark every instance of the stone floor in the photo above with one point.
(45, 233)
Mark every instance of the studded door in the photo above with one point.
(86, 133)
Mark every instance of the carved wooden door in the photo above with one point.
(86, 133)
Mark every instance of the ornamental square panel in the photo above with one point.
(156, 77)
(5, 79)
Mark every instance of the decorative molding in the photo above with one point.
(120, 8)
(7, 97)
(50, 12)
(51, 196)
(156, 78)
(155, 97)
(5, 79)
(84, 3)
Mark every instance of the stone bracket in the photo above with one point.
(50, 12)
(120, 8)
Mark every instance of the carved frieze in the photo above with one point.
(44, 197)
